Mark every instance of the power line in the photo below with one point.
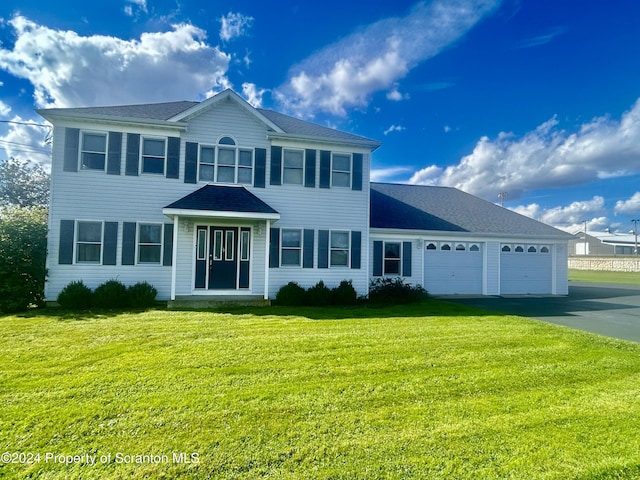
(26, 123)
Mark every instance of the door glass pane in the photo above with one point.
(244, 248)
(229, 245)
(202, 244)
(217, 245)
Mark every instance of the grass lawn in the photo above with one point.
(433, 390)
(604, 277)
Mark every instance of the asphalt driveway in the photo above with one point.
(607, 309)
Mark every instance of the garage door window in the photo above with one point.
(474, 248)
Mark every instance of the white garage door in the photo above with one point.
(525, 269)
(453, 268)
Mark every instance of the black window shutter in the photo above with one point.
(128, 243)
(307, 254)
(276, 166)
(191, 162)
(356, 184)
(65, 249)
(377, 258)
(406, 259)
(114, 153)
(325, 169)
(110, 243)
(260, 174)
(274, 248)
(133, 154)
(71, 146)
(173, 157)
(323, 248)
(356, 249)
(167, 256)
(310, 168)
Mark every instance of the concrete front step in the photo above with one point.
(216, 301)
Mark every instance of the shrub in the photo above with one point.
(395, 290)
(142, 295)
(344, 294)
(75, 296)
(23, 248)
(319, 295)
(110, 294)
(291, 294)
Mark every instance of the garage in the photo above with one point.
(453, 268)
(525, 269)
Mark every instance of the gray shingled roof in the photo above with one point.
(222, 198)
(419, 207)
(165, 111)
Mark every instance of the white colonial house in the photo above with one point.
(218, 198)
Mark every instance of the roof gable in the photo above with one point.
(222, 198)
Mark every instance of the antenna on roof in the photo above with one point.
(502, 196)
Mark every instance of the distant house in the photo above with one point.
(220, 198)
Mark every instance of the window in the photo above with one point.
(532, 249)
(431, 246)
(89, 242)
(544, 250)
(217, 245)
(339, 249)
(225, 163)
(506, 248)
(244, 245)
(202, 244)
(445, 246)
(474, 248)
(292, 166)
(519, 249)
(149, 243)
(291, 251)
(153, 155)
(229, 251)
(93, 153)
(341, 170)
(392, 258)
(460, 247)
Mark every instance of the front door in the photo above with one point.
(222, 258)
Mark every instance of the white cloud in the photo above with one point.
(570, 218)
(141, 4)
(4, 109)
(253, 94)
(374, 58)
(67, 69)
(234, 25)
(630, 206)
(546, 157)
(386, 174)
(25, 140)
(394, 128)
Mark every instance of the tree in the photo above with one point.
(23, 184)
(23, 247)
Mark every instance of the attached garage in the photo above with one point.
(453, 268)
(526, 269)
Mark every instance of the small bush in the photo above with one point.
(319, 295)
(344, 294)
(394, 291)
(291, 294)
(111, 294)
(75, 296)
(142, 295)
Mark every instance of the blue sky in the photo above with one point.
(536, 98)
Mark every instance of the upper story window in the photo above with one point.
(89, 242)
(292, 166)
(341, 170)
(154, 153)
(93, 152)
(226, 163)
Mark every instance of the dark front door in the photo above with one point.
(223, 257)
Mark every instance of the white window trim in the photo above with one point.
(80, 151)
(303, 168)
(159, 262)
(75, 242)
(142, 155)
(350, 172)
(348, 264)
(282, 247)
(216, 163)
(384, 259)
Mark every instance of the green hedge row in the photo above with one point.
(111, 294)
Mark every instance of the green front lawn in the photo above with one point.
(604, 277)
(427, 391)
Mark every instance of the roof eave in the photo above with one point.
(371, 145)
(52, 117)
(182, 212)
(418, 232)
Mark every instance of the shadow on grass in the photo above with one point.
(63, 314)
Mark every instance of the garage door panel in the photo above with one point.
(453, 272)
(525, 273)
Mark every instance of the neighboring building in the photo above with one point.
(220, 198)
(591, 244)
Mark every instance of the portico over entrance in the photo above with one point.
(220, 244)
